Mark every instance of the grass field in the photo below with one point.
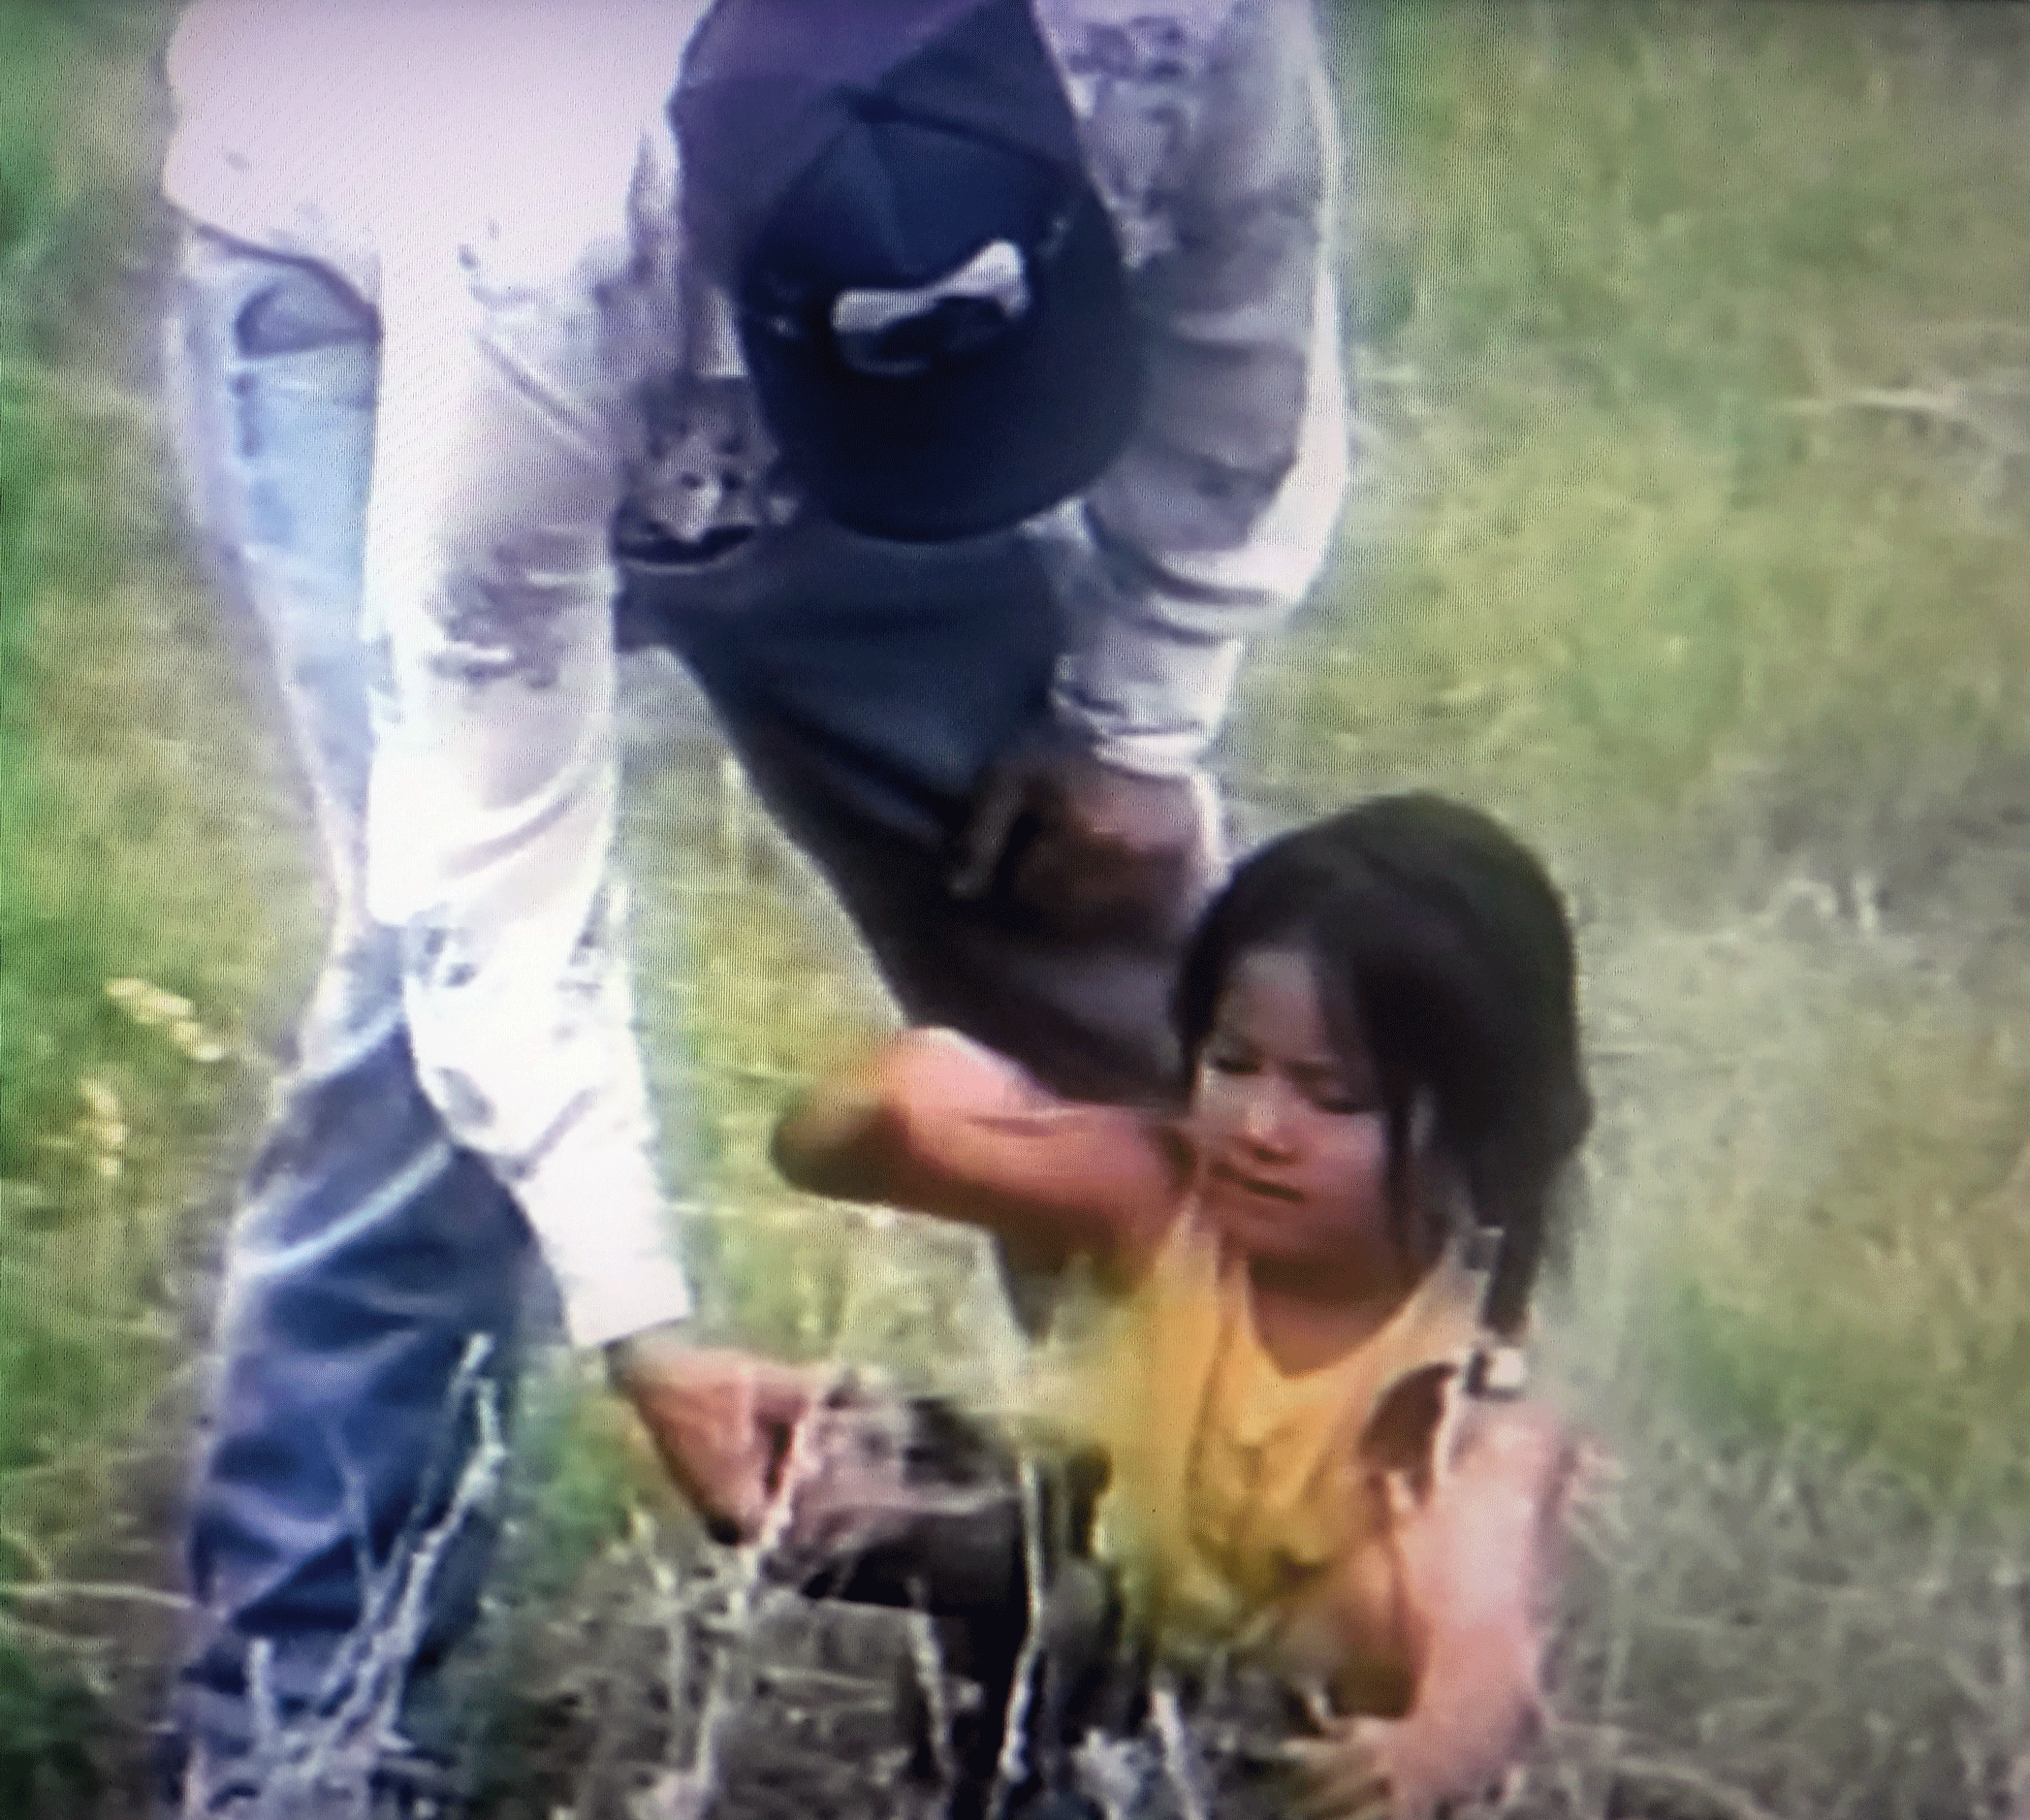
(1694, 537)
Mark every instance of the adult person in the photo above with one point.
(953, 384)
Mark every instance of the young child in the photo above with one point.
(1381, 1040)
(1378, 1024)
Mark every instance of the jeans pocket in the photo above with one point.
(301, 310)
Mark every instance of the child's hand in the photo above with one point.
(721, 1421)
(1339, 1776)
(1368, 1769)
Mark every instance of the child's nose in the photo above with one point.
(1266, 1119)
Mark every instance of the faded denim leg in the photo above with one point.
(866, 686)
(369, 1255)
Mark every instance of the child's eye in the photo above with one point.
(1345, 1097)
(1230, 1062)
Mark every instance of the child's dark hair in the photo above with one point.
(1445, 955)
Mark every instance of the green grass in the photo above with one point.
(1646, 552)
(125, 840)
(1694, 539)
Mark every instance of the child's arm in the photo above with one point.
(1475, 1552)
(938, 1125)
(1439, 1621)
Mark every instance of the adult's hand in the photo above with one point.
(722, 1421)
(1095, 849)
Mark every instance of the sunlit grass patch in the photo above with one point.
(1704, 507)
(1775, 1629)
(78, 121)
(130, 789)
(1795, 1336)
(1810, 1200)
(1883, 1294)
(137, 835)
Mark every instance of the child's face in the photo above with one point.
(1291, 1132)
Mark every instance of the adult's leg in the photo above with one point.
(370, 1258)
(866, 686)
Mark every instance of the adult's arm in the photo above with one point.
(497, 463)
(1214, 521)
(1213, 132)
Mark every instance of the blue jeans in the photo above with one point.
(368, 1252)
(864, 686)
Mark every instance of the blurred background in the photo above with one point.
(1693, 535)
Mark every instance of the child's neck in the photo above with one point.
(1305, 1323)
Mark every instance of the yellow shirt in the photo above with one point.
(1234, 1484)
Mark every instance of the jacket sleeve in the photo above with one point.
(488, 594)
(1216, 519)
